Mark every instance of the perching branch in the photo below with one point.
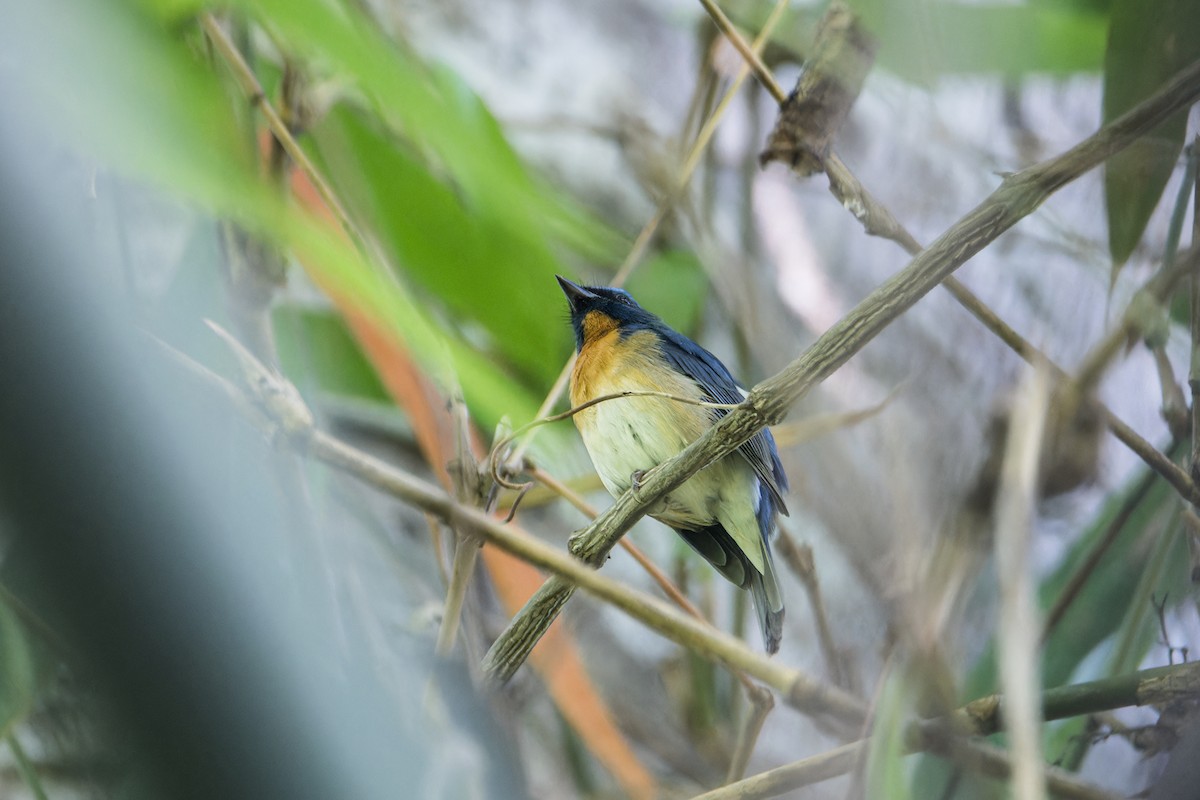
(283, 413)
(1019, 194)
(276, 407)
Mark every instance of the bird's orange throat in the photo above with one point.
(596, 357)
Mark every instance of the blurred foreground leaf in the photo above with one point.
(1149, 41)
(130, 93)
(484, 269)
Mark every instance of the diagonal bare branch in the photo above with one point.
(1019, 195)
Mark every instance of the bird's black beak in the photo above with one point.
(577, 296)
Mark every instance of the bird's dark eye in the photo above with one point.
(626, 299)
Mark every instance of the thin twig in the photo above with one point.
(1019, 194)
(976, 756)
(750, 53)
(277, 398)
(494, 459)
(802, 563)
(279, 129)
(1194, 362)
(657, 575)
(468, 490)
(1157, 686)
(878, 221)
(1018, 637)
(761, 704)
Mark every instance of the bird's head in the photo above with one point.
(597, 310)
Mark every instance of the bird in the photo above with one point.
(727, 511)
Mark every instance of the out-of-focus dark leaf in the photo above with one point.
(1148, 43)
(316, 349)
(26, 661)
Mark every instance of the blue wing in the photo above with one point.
(713, 377)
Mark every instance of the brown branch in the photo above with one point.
(279, 129)
(276, 407)
(1018, 195)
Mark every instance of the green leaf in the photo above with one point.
(20, 671)
(886, 750)
(921, 40)
(673, 285)
(316, 349)
(116, 86)
(436, 113)
(1148, 43)
(482, 268)
(121, 87)
(1093, 617)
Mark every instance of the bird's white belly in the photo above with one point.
(640, 436)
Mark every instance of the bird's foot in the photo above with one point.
(636, 479)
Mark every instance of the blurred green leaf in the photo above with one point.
(672, 284)
(920, 40)
(483, 269)
(140, 102)
(316, 349)
(1094, 616)
(437, 113)
(886, 751)
(24, 665)
(1148, 43)
(118, 88)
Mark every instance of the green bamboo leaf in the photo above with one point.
(921, 40)
(886, 773)
(1094, 616)
(436, 113)
(483, 269)
(1148, 43)
(130, 93)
